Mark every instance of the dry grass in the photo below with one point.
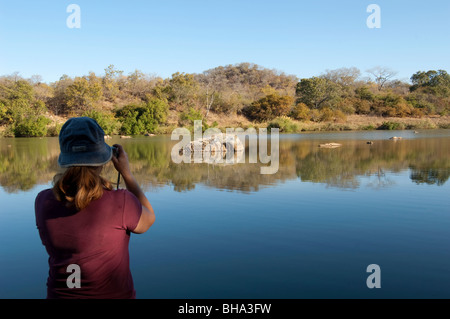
(352, 123)
(362, 122)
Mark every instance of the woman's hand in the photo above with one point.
(120, 161)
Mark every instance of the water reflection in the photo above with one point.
(25, 163)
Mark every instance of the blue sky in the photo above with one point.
(303, 38)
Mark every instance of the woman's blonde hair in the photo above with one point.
(80, 185)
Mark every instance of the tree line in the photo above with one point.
(139, 103)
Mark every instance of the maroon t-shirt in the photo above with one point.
(95, 238)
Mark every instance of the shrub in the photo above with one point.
(40, 107)
(4, 116)
(213, 125)
(269, 107)
(417, 112)
(326, 115)
(315, 115)
(347, 105)
(54, 130)
(392, 105)
(8, 131)
(142, 118)
(188, 117)
(107, 121)
(284, 124)
(339, 116)
(31, 127)
(368, 127)
(364, 93)
(362, 107)
(391, 126)
(300, 112)
(226, 103)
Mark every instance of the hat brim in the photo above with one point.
(97, 158)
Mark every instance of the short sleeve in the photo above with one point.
(132, 210)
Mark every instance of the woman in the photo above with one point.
(84, 225)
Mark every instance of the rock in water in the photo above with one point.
(214, 145)
(330, 145)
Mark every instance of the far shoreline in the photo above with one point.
(351, 123)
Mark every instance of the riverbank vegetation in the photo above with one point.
(242, 95)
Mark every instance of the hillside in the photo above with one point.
(240, 95)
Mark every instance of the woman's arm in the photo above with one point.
(122, 165)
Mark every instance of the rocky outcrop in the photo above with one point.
(330, 145)
(215, 145)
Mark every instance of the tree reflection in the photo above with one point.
(430, 176)
(25, 163)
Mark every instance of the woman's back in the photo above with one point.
(84, 225)
(95, 238)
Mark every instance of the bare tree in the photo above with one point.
(381, 75)
(208, 102)
(342, 76)
(35, 79)
(14, 77)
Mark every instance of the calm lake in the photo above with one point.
(226, 231)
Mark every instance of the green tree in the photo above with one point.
(106, 120)
(31, 126)
(434, 82)
(4, 119)
(83, 93)
(20, 110)
(18, 98)
(142, 118)
(364, 93)
(181, 90)
(20, 90)
(189, 116)
(315, 91)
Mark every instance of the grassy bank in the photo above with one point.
(288, 125)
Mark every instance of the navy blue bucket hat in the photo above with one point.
(82, 143)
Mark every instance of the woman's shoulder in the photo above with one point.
(121, 198)
(118, 194)
(46, 200)
(45, 194)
